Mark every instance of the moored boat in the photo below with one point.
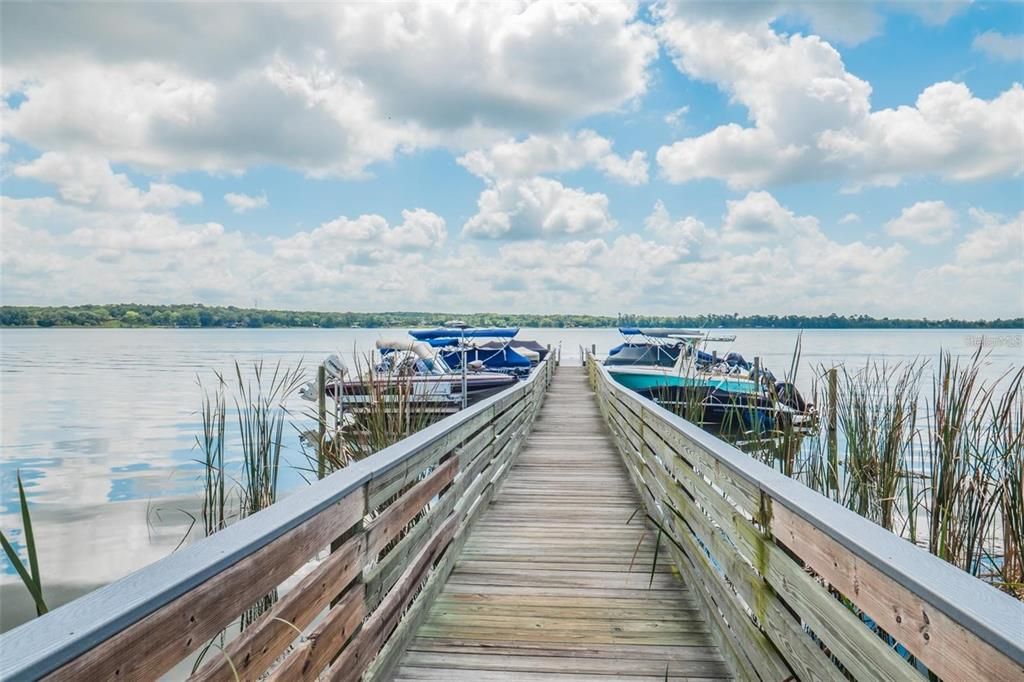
(414, 372)
(670, 367)
(503, 353)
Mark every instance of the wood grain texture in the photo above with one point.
(945, 646)
(766, 534)
(252, 652)
(159, 641)
(393, 520)
(314, 653)
(553, 581)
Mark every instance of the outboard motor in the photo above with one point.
(788, 395)
(736, 360)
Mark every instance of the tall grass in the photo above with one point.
(1011, 568)
(877, 412)
(942, 468)
(211, 443)
(383, 408)
(234, 491)
(974, 434)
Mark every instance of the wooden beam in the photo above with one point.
(154, 645)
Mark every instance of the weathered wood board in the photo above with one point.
(556, 578)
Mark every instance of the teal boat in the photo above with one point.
(668, 367)
(639, 378)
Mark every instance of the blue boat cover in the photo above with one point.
(657, 333)
(471, 333)
(442, 342)
(502, 358)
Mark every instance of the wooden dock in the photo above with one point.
(555, 581)
(515, 540)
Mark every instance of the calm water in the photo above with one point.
(102, 423)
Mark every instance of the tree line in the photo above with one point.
(198, 315)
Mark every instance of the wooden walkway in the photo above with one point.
(553, 582)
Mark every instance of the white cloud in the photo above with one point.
(89, 180)
(846, 22)
(849, 219)
(997, 45)
(812, 119)
(986, 276)
(365, 240)
(927, 222)
(240, 203)
(812, 273)
(936, 12)
(760, 217)
(339, 87)
(57, 252)
(519, 209)
(677, 117)
(539, 154)
(686, 235)
(995, 238)
(948, 132)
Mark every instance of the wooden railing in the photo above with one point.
(790, 579)
(395, 521)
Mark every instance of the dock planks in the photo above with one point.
(553, 584)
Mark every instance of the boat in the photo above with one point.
(672, 358)
(414, 371)
(670, 367)
(503, 353)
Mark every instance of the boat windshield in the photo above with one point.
(436, 366)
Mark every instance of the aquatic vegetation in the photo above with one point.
(29, 577)
(944, 469)
(877, 412)
(1011, 568)
(974, 436)
(260, 405)
(388, 410)
(211, 444)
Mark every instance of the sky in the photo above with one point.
(549, 157)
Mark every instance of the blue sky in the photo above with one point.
(682, 157)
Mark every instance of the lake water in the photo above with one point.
(101, 424)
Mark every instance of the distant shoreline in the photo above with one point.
(190, 316)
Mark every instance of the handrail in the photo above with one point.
(327, 512)
(957, 625)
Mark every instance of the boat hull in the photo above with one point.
(641, 380)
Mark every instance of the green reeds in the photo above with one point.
(975, 439)
(211, 444)
(877, 411)
(260, 403)
(943, 469)
(389, 409)
(30, 577)
(1011, 568)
